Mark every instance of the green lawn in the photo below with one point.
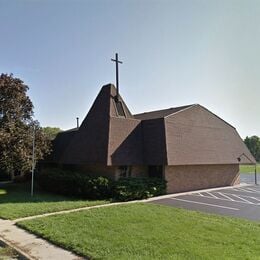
(16, 202)
(148, 231)
(249, 168)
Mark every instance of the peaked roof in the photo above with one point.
(111, 135)
(92, 142)
(160, 113)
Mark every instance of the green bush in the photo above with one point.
(4, 176)
(73, 183)
(138, 188)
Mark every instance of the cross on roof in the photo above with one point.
(117, 76)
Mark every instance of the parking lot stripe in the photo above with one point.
(239, 201)
(246, 190)
(212, 195)
(250, 197)
(222, 194)
(256, 191)
(243, 199)
(202, 203)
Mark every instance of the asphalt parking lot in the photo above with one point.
(242, 201)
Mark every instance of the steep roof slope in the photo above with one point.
(111, 135)
(125, 136)
(108, 135)
(89, 144)
(197, 136)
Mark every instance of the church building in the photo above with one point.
(189, 146)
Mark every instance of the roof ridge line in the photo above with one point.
(184, 109)
(218, 117)
(163, 109)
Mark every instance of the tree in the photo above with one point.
(253, 144)
(51, 132)
(16, 128)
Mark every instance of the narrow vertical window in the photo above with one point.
(120, 109)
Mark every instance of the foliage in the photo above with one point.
(16, 202)
(51, 132)
(79, 184)
(16, 127)
(253, 144)
(138, 188)
(149, 231)
(74, 183)
(4, 176)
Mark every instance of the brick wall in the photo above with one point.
(194, 177)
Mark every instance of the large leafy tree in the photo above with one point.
(51, 132)
(253, 144)
(17, 127)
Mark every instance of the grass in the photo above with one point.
(16, 202)
(148, 231)
(249, 168)
(7, 253)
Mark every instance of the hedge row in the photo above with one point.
(73, 183)
(138, 188)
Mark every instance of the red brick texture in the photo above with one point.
(194, 177)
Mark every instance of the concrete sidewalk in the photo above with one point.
(31, 246)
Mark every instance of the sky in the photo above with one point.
(174, 52)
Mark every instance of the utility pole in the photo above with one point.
(255, 163)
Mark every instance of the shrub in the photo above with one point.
(74, 183)
(138, 188)
(4, 176)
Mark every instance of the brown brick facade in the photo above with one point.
(194, 177)
(108, 143)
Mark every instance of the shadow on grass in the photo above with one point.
(21, 193)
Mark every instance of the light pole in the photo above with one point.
(239, 159)
(33, 160)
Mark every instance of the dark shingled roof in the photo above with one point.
(160, 113)
(186, 135)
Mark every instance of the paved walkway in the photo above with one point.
(75, 210)
(31, 246)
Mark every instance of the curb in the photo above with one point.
(126, 202)
(195, 191)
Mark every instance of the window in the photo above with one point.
(120, 109)
(155, 171)
(124, 171)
